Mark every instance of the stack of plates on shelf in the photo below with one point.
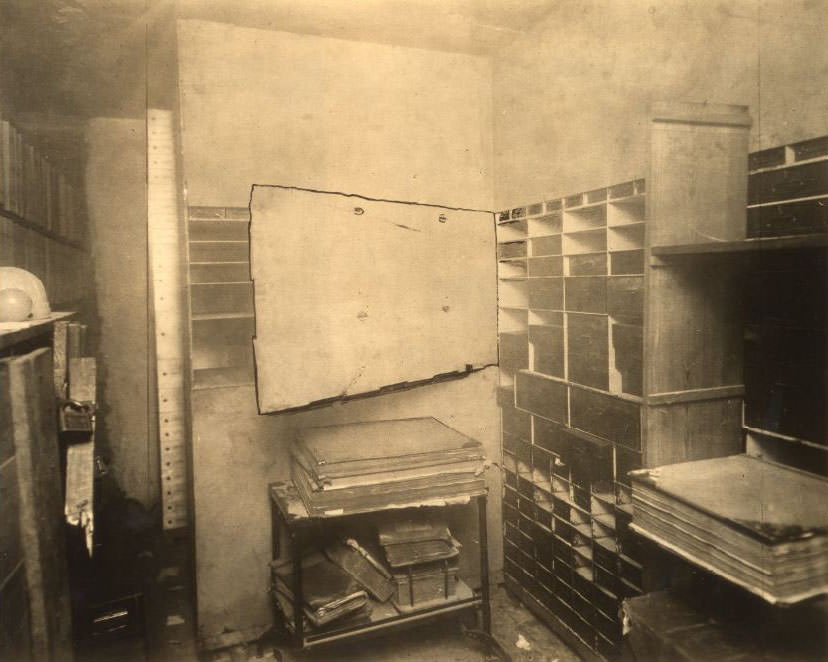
(365, 466)
(760, 525)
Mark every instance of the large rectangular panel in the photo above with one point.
(625, 298)
(784, 219)
(802, 181)
(698, 182)
(541, 396)
(694, 332)
(547, 342)
(687, 431)
(586, 294)
(628, 348)
(28, 383)
(10, 548)
(588, 349)
(514, 351)
(354, 294)
(546, 293)
(607, 417)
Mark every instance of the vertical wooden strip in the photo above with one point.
(59, 350)
(31, 393)
(82, 373)
(165, 249)
(76, 340)
(80, 458)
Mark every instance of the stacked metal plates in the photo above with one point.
(367, 466)
(760, 525)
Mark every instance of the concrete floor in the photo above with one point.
(170, 633)
(520, 634)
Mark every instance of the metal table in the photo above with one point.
(290, 517)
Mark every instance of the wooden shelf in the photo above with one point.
(217, 230)
(578, 242)
(208, 378)
(687, 324)
(229, 221)
(219, 241)
(621, 396)
(385, 614)
(12, 333)
(586, 207)
(744, 245)
(786, 438)
(46, 232)
(221, 282)
(512, 269)
(541, 226)
(206, 317)
(696, 395)
(628, 237)
(219, 262)
(627, 397)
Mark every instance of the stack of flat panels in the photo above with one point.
(365, 466)
(760, 525)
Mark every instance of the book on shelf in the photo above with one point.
(363, 566)
(7, 154)
(33, 189)
(329, 593)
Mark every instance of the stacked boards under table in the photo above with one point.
(624, 342)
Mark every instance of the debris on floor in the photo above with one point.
(518, 635)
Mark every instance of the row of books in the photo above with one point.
(367, 466)
(33, 188)
(62, 268)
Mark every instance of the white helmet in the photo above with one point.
(20, 279)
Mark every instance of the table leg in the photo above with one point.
(484, 563)
(298, 597)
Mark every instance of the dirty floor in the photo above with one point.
(521, 635)
(169, 634)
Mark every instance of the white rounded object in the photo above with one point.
(15, 305)
(20, 279)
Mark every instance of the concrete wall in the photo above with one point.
(571, 99)
(278, 108)
(117, 202)
(236, 456)
(387, 122)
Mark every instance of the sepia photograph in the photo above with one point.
(413, 330)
